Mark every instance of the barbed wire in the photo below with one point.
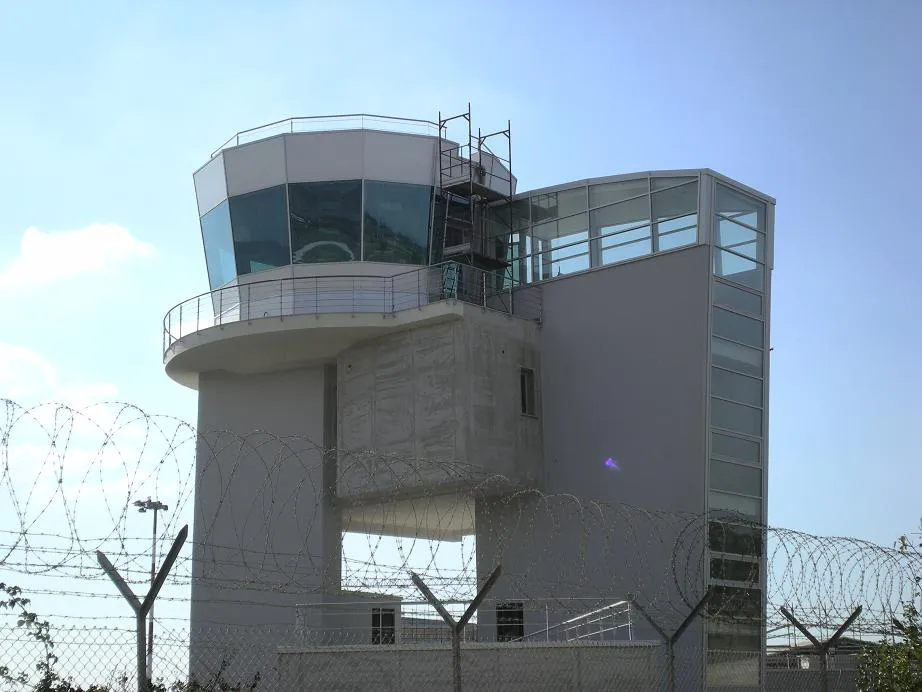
(68, 478)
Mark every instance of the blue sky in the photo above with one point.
(108, 108)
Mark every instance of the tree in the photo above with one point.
(896, 666)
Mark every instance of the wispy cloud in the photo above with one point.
(28, 377)
(49, 257)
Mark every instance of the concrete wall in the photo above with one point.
(447, 393)
(261, 516)
(623, 377)
(507, 667)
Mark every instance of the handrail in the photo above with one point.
(567, 625)
(344, 294)
(304, 123)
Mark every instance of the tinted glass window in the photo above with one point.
(260, 230)
(736, 478)
(397, 222)
(677, 201)
(735, 506)
(739, 207)
(326, 221)
(734, 538)
(736, 298)
(219, 245)
(736, 417)
(735, 570)
(736, 387)
(738, 328)
(735, 448)
(742, 270)
(606, 193)
(736, 357)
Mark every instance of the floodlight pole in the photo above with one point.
(142, 608)
(153, 506)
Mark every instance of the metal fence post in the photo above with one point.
(142, 608)
(457, 628)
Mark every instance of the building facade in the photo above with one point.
(402, 322)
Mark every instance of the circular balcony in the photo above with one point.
(260, 326)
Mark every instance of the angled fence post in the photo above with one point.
(822, 648)
(457, 628)
(142, 608)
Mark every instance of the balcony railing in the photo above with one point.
(332, 123)
(347, 294)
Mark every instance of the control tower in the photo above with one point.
(390, 320)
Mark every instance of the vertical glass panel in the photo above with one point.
(735, 448)
(622, 216)
(260, 228)
(397, 222)
(677, 201)
(670, 241)
(735, 602)
(570, 253)
(741, 239)
(731, 385)
(734, 570)
(736, 478)
(681, 223)
(738, 328)
(739, 269)
(736, 357)
(219, 245)
(736, 417)
(734, 538)
(607, 193)
(740, 207)
(571, 202)
(748, 507)
(543, 207)
(619, 247)
(736, 298)
(726, 657)
(660, 183)
(326, 221)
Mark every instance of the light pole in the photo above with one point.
(154, 506)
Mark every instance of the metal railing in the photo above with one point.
(332, 123)
(602, 624)
(347, 294)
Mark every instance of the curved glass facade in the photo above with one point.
(593, 225)
(309, 223)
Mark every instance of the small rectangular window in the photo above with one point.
(527, 386)
(510, 621)
(383, 627)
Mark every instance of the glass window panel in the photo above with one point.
(731, 385)
(571, 201)
(736, 478)
(749, 508)
(739, 269)
(219, 245)
(612, 239)
(544, 207)
(738, 328)
(735, 602)
(734, 570)
(621, 216)
(736, 298)
(660, 183)
(627, 251)
(573, 224)
(740, 239)
(568, 255)
(607, 193)
(326, 221)
(679, 224)
(736, 357)
(670, 241)
(545, 231)
(737, 417)
(397, 222)
(740, 207)
(735, 448)
(260, 228)
(677, 201)
(737, 675)
(734, 538)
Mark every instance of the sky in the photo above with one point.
(107, 109)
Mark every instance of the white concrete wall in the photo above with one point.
(508, 667)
